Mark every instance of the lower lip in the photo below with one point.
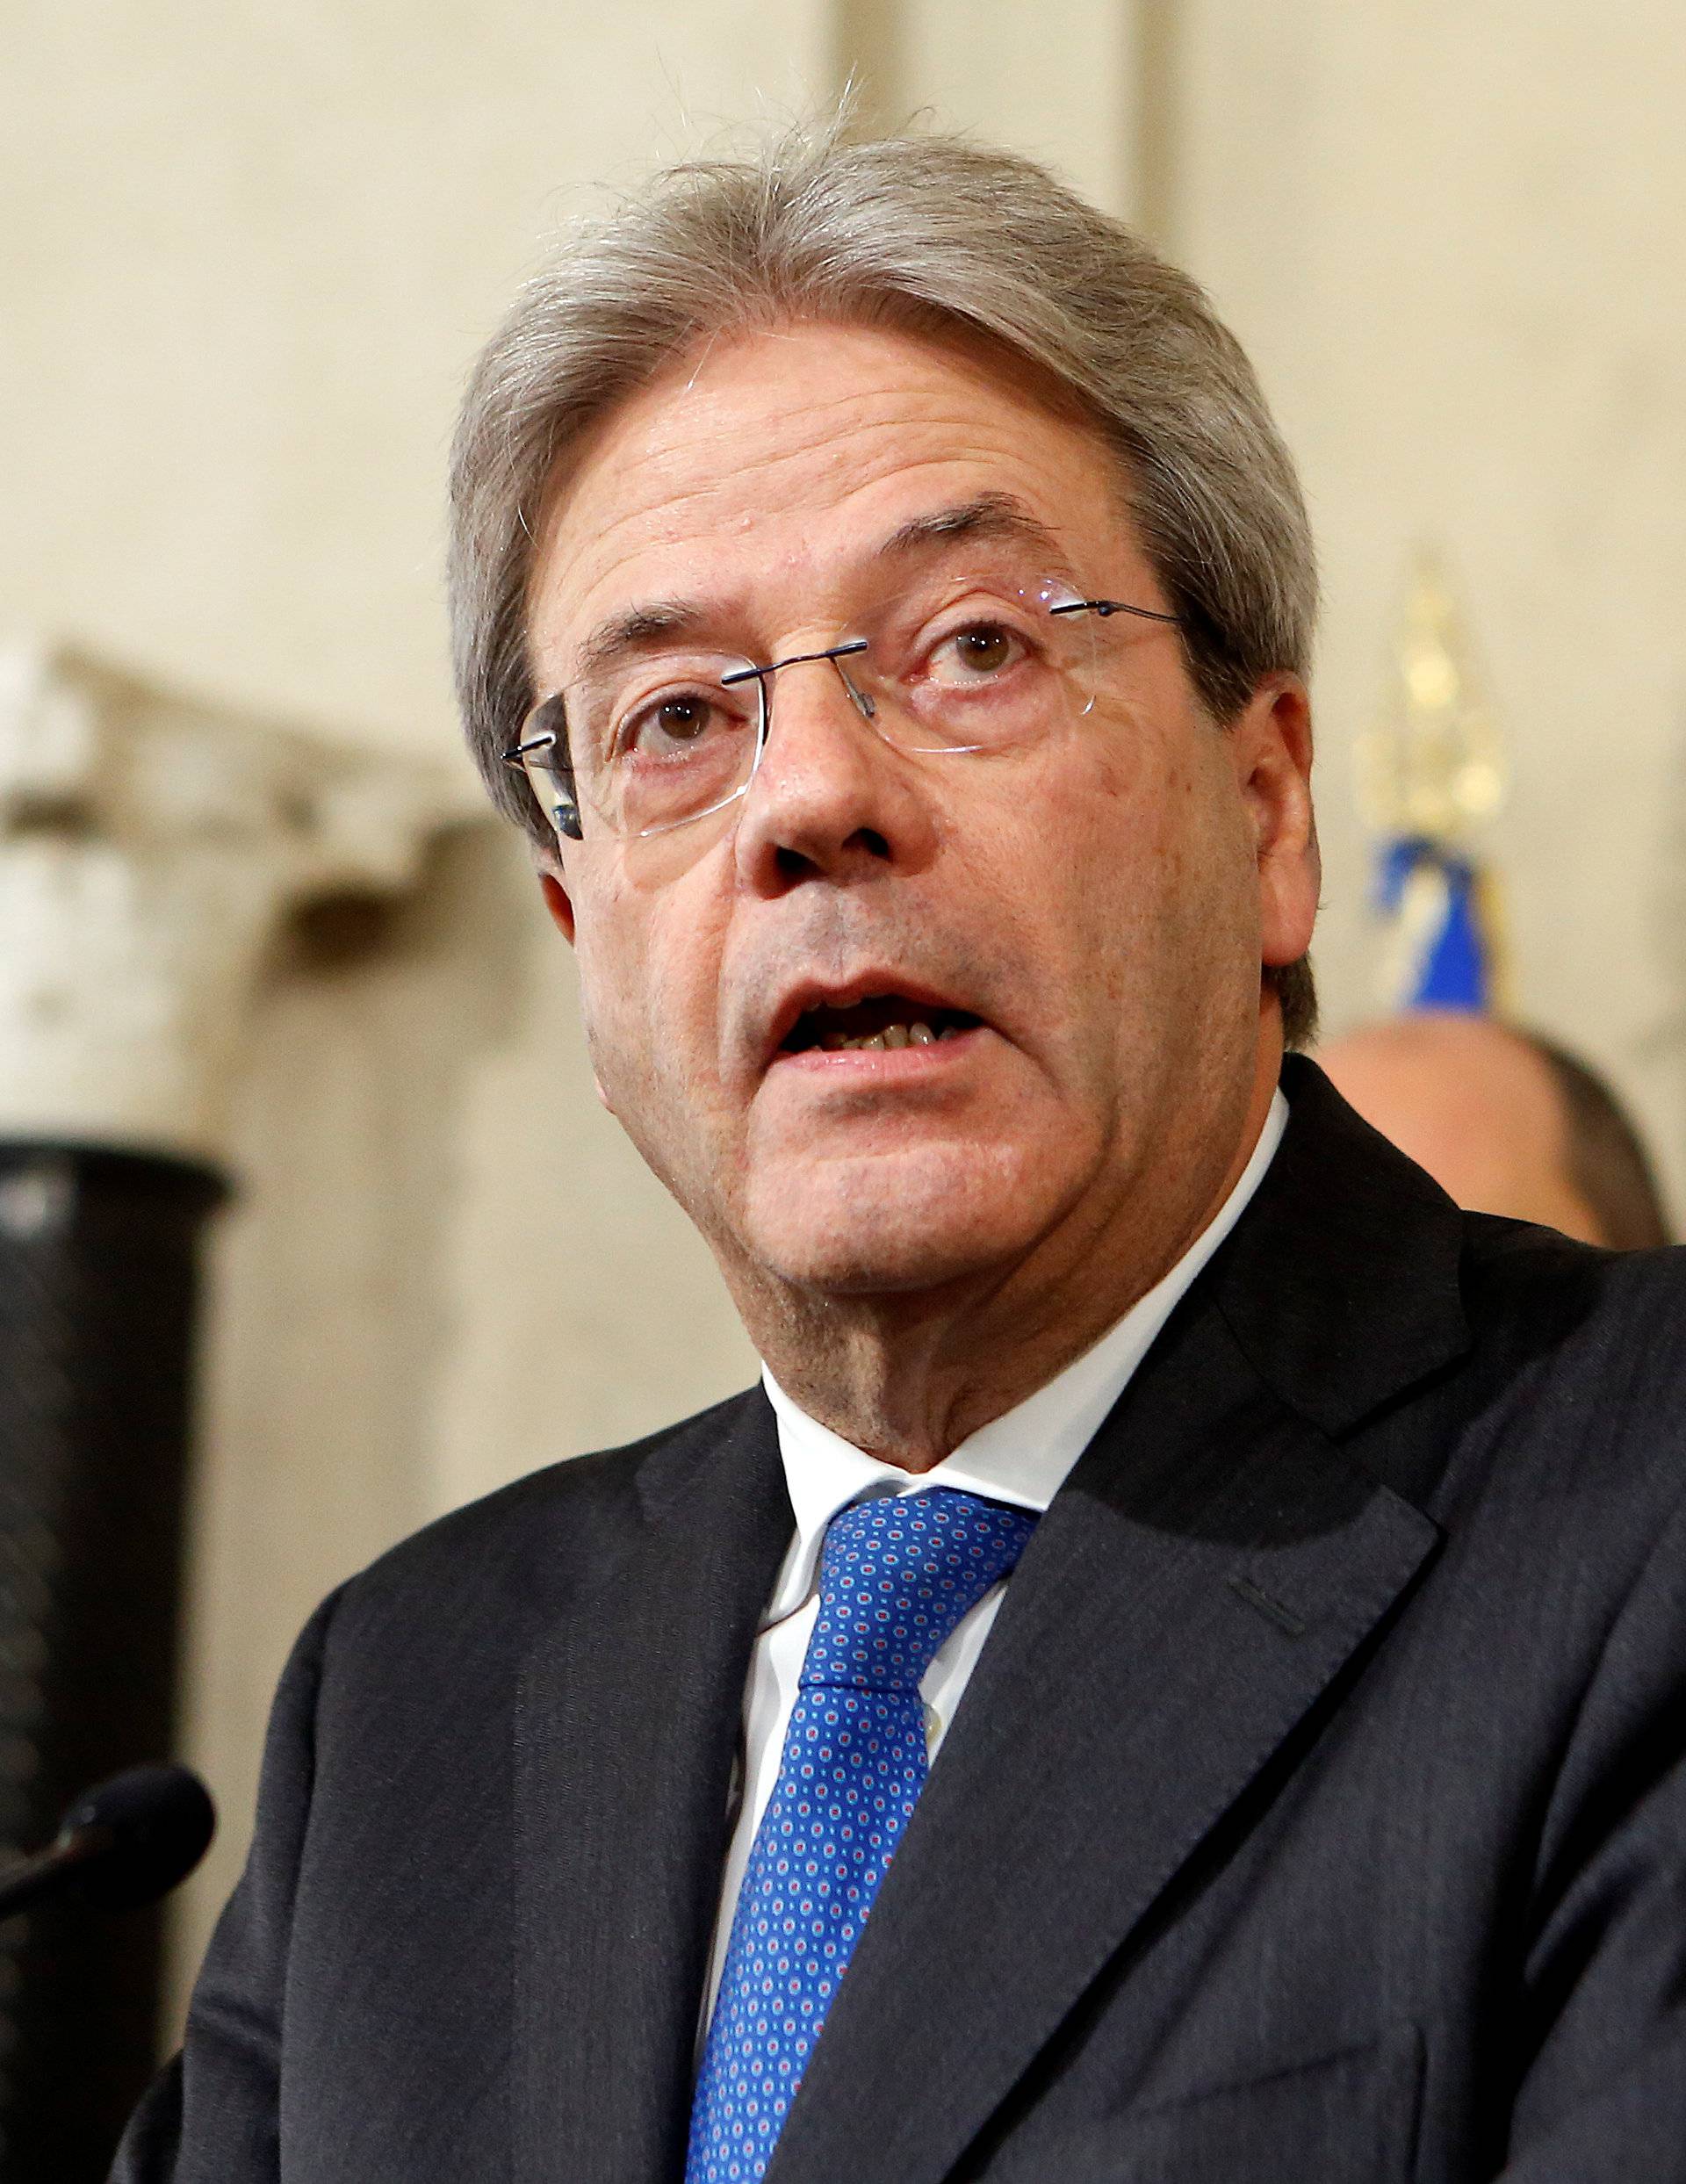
(891, 1062)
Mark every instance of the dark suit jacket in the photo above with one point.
(1316, 1812)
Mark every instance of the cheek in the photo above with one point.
(612, 946)
(648, 978)
(1125, 835)
(1154, 867)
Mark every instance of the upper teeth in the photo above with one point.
(919, 1035)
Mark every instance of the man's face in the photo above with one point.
(1087, 910)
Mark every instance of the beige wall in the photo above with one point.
(1447, 234)
(246, 256)
(245, 259)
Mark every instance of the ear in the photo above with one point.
(1271, 747)
(557, 901)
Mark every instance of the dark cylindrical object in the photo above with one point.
(99, 1290)
(125, 1842)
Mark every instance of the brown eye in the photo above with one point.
(976, 653)
(681, 719)
(985, 651)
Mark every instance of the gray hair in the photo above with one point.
(932, 234)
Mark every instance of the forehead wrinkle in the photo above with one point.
(756, 390)
(661, 475)
(675, 488)
(988, 516)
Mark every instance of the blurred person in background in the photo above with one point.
(1177, 1668)
(1505, 1121)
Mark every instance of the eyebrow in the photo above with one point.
(638, 630)
(987, 518)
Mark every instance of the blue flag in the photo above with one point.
(1445, 946)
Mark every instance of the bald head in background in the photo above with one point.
(1506, 1123)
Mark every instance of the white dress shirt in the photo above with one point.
(1021, 1457)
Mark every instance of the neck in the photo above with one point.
(907, 1377)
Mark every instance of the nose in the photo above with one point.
(830, 798)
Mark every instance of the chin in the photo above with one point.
(854, 1227)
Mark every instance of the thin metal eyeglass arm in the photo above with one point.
(1104, 607)
(517, 751)
(564, 815)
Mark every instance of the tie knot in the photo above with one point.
(897, 1575)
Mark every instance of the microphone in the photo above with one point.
(123, 1844)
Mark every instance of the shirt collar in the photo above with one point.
(1021, 1457)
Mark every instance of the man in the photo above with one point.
(1178, 1674)
(1506, 1123)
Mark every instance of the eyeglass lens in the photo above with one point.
(964, 664)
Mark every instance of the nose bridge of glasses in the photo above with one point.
(847, 658)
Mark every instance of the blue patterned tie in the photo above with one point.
(896, 1577)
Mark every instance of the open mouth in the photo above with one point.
(883, 1020)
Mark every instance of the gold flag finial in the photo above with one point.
(1433, 766)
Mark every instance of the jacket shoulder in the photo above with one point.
(566, 1514)
(1514, 1272)
(1576, 1378)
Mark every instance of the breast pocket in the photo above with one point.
(1350, 2117)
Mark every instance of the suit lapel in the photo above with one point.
(627, 1724)
(1208, 1570)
